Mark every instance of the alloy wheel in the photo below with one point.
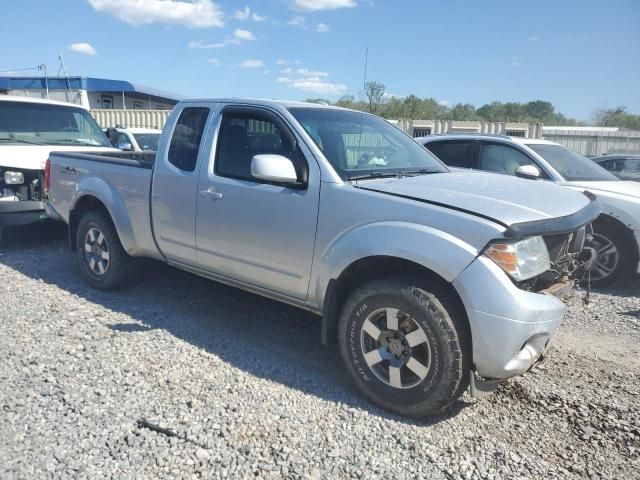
(96, 251)
(395, 348)
(607, 257)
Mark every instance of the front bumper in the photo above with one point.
(21, 213)
(510, 328)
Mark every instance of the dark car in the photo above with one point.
(625, 167)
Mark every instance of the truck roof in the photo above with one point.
(15, 98)
(265, 102)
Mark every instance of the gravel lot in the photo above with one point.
(249, 391)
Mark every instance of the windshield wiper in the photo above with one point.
(77, 142)
(395, 173)
(420, 171)
(364, 176)
(18, 140)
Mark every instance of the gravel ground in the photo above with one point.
(245, 389)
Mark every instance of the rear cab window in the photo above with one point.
(186, 138)
(454, 153)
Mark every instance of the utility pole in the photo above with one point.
(42, 67)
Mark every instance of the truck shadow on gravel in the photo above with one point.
(259, 336)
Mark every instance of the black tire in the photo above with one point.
(448, 344)
(605, 270)
(119, 266)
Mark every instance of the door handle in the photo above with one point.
(211, 194)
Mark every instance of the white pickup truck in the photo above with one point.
(30, 129)
(430, 280)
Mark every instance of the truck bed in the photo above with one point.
(123, 181)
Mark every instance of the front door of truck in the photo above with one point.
(254, 231)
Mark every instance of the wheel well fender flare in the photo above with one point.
(434, 251)
(92, 192)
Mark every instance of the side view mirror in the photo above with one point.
(125, 146)
(112, 135)
(530, 172)
(273, 168)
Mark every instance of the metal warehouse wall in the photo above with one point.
(131, 118)
(594, 142)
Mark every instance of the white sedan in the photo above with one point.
(616, 236)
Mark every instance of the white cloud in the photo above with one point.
(306, 72)
(319, 87)
(242, 14)
(252, 64)
(246, 13)
(516, 64)
(83, 48)
(239, 36)
(315, 5)
(192, 14)
(214, 61)
(243, 35)
(296, 21)
(310, 81)
(282, 62)
(321, 28)
(535, 38)
(198, 44)
(444, 103)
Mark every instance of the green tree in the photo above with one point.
(463, 112)
(374, 93)
(540, 110)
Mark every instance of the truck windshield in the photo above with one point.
(571, 165)
(360, 145)
(147, 141)
(45, 124)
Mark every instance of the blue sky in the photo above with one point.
(578, 54)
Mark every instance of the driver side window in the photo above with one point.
(502, 159)
(245, 135)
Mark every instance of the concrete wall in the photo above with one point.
(131, 118)
(596, 142)
(417, 128)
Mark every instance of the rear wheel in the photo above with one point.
(615, 256)
(99, 253)
(405, 347)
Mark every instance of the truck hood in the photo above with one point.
(623, 187)
(33, 157)
(501, 198)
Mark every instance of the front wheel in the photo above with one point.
(405, 347)
(614, 252)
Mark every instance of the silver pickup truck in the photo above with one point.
(431, 281)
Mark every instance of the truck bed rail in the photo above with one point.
(131, 159)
